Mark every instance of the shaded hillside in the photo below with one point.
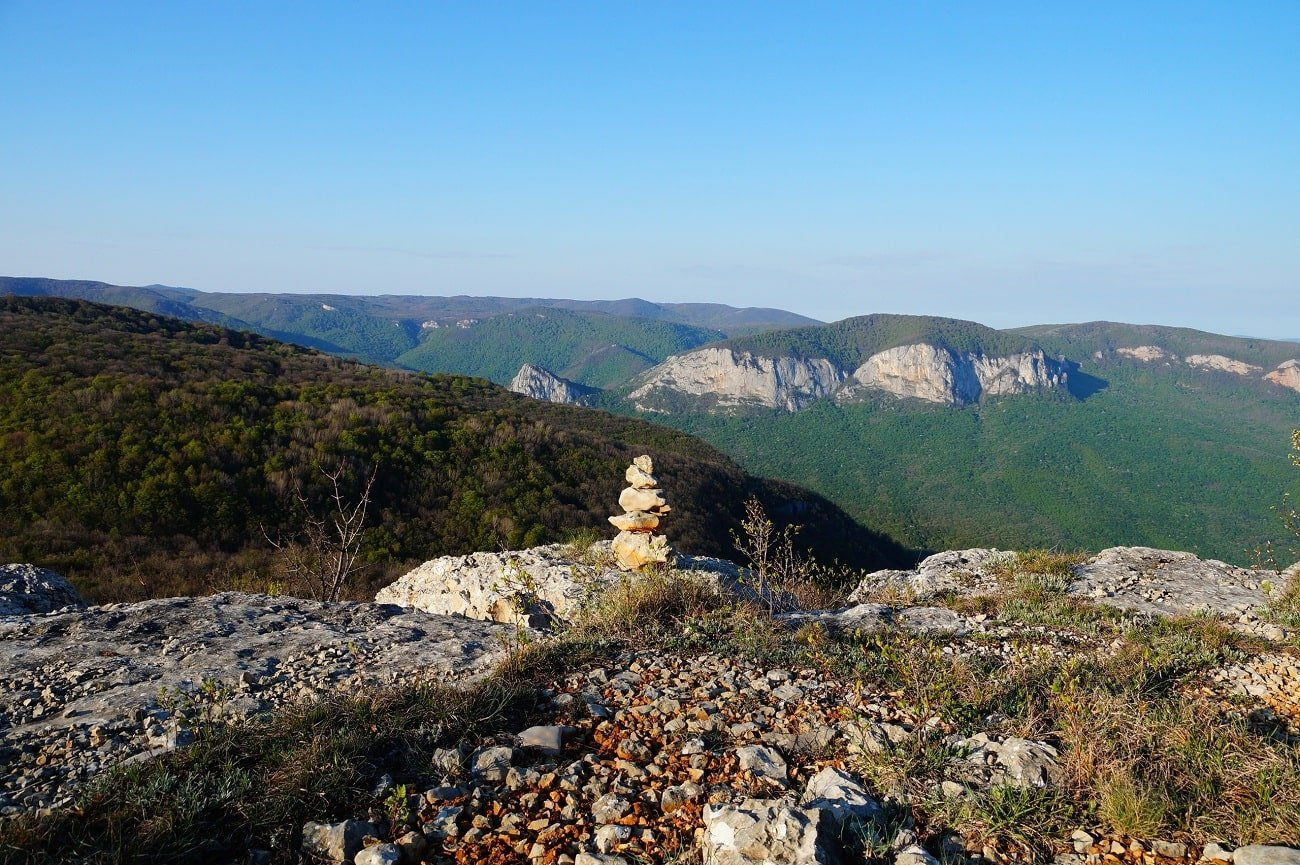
(593, 349)
(144, 455)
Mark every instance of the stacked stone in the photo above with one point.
(636, 544)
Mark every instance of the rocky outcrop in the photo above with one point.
(943, 376)
(535, 382)
(85, 685)
(28, 589)
(737, 379)
(1287, 375)
(1138, 579)
(1219, 363)
(1146, 353)
(539, 587)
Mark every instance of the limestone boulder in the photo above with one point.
(768, 832)
(636, 521)
(26, 589)
(633, 499)
(547, 584)
(636, 550)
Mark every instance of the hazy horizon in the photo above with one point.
(1008, 165)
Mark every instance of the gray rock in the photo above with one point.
(379, 854)
(1010, 760)
(764, 762)
(1265, 854)
(599, 859)
(547, 739)
(223, 657)
(609, 808)
(837, 792)
(1213, 852)
(492, 764)
(768, 832)
(731, 379)
(1168, 583)
(914, 854)
(27, 589)
(337, 842)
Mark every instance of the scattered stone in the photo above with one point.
(764, 762)
(379, 854)
(336, 842)
(1213, 852)
(548, 739)
(914, 854)
(1264, 854)
(492, 764)
(1009, 760)
(835, 791)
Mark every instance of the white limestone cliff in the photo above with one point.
(540, 384)
(738, 379)
(1221, 364)
(940, 375)
(1287, 375)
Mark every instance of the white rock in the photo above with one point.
(1266, 854)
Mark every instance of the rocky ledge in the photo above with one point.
(84, 689)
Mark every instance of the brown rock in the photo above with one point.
(636, 550)
(636, 521)
(632, 499)
(641, 480)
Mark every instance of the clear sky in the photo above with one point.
(1008, 163)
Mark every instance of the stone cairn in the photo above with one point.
(637, 545)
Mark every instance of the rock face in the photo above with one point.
(940, 375)
(636, 545)
(540, 384)
(93, 676)
(1221, 364)
(919, 371)
(738, 379)
(28, 589)
(1287, 375)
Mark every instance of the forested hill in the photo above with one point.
(145, 456)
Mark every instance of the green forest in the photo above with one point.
(1170, 458)
(146, 456)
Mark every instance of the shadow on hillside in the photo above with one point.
(1081, 385)
(829, 533)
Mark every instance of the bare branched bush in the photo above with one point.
(322, 558)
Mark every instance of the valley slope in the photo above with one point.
(145, 456)
(1083, 436)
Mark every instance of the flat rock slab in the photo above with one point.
(93, 677)
(1165, 583)
(1137, 579)
(870, 618)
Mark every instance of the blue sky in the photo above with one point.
(1009, 163)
